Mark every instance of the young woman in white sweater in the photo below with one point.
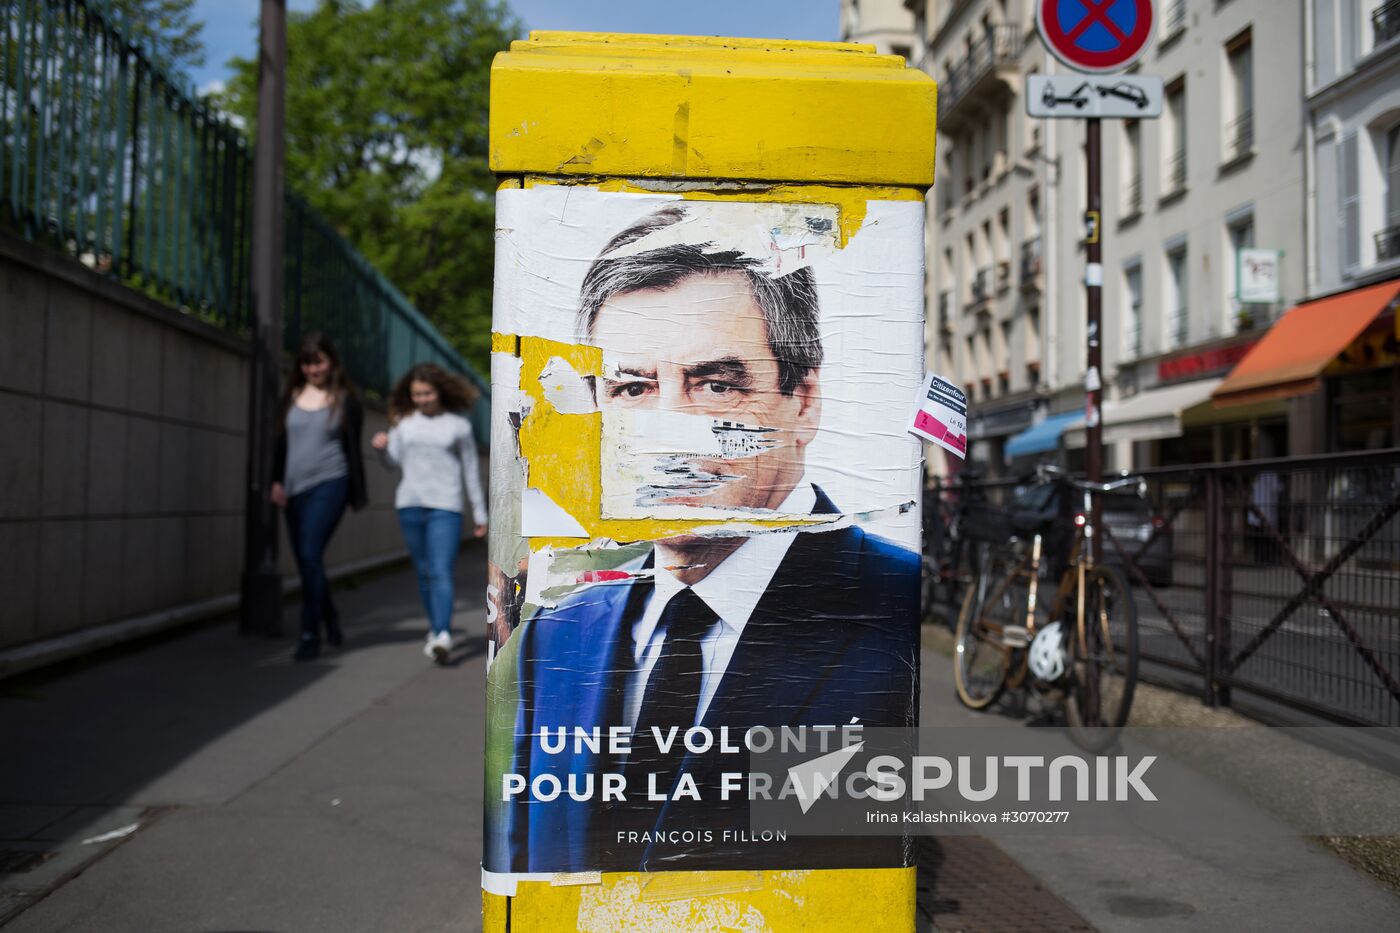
(431, 441)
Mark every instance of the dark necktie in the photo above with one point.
(672, 693)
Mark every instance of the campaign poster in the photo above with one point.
(706, 508)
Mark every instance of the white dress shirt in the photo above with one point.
(731, 590)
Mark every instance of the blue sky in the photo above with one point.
(230, 25)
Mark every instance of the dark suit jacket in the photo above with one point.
(835, 636)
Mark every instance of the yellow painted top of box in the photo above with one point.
(694, 107)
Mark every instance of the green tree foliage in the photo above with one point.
(387, 137)
(166, 30)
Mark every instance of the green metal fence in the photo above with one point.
(115, 160)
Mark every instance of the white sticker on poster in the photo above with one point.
(942, 415)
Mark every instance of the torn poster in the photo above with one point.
(942, 415)
(714, 491)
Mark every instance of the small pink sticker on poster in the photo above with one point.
(942, 415)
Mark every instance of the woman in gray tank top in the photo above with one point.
(318, 470)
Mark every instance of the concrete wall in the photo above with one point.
(122, 445)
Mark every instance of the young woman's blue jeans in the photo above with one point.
(433, 536)
(311, 519)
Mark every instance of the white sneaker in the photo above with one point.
(439, 647)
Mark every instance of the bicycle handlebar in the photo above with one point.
(1046, 471)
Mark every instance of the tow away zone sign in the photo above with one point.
(1066, 96)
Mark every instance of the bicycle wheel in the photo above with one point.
(1103, 670)
(928, 589)
(980, 659)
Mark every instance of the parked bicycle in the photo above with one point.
(953, 542)
(1085, 646)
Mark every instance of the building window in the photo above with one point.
(1388, 239)
(1003, 248)
(1178, 320)
(1174, 139)
(970, 269)
(1033, 346)
(1132, 326)
(1385, 22)
(1132, 168)
(1349, 219)
(1239, 101)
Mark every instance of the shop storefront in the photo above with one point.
(1337, 359)
(1164, 415)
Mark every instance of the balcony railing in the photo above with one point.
(1388, 243)
(1132, 197)
(1179, 327)
(1239, 135)
(1173, 18)
(1132, 338)
(1030, 262)
(945, 306)
(999, 47)
(980, 283)
(1176, 173)
(1385, 21)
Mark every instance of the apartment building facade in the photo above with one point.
(1220, 171)
(1352, 141)
(989, 218)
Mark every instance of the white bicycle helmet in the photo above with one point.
(1047, 654)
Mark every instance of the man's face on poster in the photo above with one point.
(701, 347)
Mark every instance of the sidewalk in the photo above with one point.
(345, 795)
(1145, 882)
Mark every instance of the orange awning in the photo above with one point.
(1290, 359)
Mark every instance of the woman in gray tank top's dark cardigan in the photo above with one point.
(317, 471)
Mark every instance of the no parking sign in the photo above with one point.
(1095, 35)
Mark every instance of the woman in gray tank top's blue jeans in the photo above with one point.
(318, 470)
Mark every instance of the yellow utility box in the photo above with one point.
(708, 337)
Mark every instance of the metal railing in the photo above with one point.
(1132, 333)
(1388, 243)
(980, 282)
(113, 159)
(1176, 172)
(1279, 578)
(1173, 18)
(1179, 326)
(1132, 197)
(1239, 135)
(1385, 21)
(999, 47)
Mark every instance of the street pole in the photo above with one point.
(1093, 283)
(260, 609)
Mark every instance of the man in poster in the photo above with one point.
(813, 628)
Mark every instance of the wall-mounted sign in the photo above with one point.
(1258, 275)
(1203, 363)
